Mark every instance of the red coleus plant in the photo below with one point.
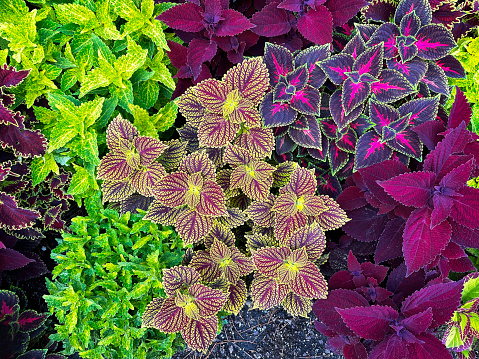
(365, 320)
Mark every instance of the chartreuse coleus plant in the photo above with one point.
(108, 268)
(463, 328)
(400, 318)
(61, 46)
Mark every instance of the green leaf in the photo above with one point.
(471, 290)
(91, 110)
(96, 78)
(125, 8)
(77, 14)
(61, 134)
(3, 56)
(69, 78)
(147, 8)
(51, 71)
(148, 93)
(109, 106)
(44, 115)
(155, 32)
(80, 182)
(127, 64)
(162, 74)
(41, 167)
(165, 118)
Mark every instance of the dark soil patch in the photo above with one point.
(260, 334)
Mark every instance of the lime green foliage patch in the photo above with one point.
(109, 268)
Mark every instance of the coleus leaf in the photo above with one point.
(312, 238)
(199, 334)
(198, 162)
(413, 70)
(337, 66)
(420, 110)
(354, 94)
(451, 66)
(203, 263)
(317, 25)
(13, 217)
(341, 12)
(192, 226)
(120, 133)
(410, 189)
(302, 181)
(391, 86)
(279, 62)
(221, 233)
(333, 217)
(296, 305)
(267, 292)
(305, 132)
(309, 282)
(370, 150)
(237, 297)
(310, 57)
(179, 277)
(186, 17)
(276, 114)
(436, 79)
(271, 21)
(434, 42)
(269, 260)
(159, 213)
(258, 141)
(260, 212)
(421, 8)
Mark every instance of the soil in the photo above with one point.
(261, 334)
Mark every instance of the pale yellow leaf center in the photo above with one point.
(231, 103)
(250, 171)
(195, 190)
(299, 203)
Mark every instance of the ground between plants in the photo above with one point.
(265, 334)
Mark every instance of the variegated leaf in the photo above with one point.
(258, 190)
(148, 317)
(195, 187)
(245, 113)
(171, 318)
(212, 94)
(205, 266)
(219, 252)
(297, 305)
(310, 283)
(120, 133)
(268, 260)
(171, 189)
(237, 297)
(190, 106)
(267, 292)
(159, 213)
(334, 217)
(245, 264)
(199, 334)
(221, 233)
(260, 212)
(250, 78)
(258, 141)
(192, 226)
(179, 277)
(114, 167)
(149, 149)
(256, 241)
(282, 174)
(171, 157)
(198, 162)
(311, 205)
(223, 180)
(209, 301)
(216, 131)
(236, 156)
(286, 204)
(311, 238)
(234, 218)
(145, 180)
(115, 191)
(186, 302)
(287, 225)
(212, 200)
(302, 181)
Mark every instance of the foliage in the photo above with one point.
(18, 329)
(462, 329)
(363, 319)
(108, 269)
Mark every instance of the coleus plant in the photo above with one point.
(462, 328)
(365, 320)
(417, 48)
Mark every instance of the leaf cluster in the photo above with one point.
(108, 269)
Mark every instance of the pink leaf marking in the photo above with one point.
(446, 68)
(367, 67)
(278, 107)
(403, 67)
(300, 96)
(424, 44)
(279, 68)
(295, 81)
(401, 137)
(379, 86)
(341, 71)
(384, 120)
(376, 144)
(356, 88)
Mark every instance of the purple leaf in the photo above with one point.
(305, 132)
(421, 243)
(413, 70)
(428, 133)
(317, 25)
(370, 150)
(442, 298)
(379, 11)
(284, 144)
(436, 79)
(347, 140)
(430, 348)
(351, 198)
(386, 34)
(7, 117)
(369, 322)
(434, 42)
(13, 217)
(421, 7)
(24, 142)
(366, 30)
(452, 67)
(460, 111)
(410, 24)
(271, 21)
(410, 189)
(354, 94)
(390, 242)
(370, 61)
(306, 101)
(199, 51)
(337, 157)
(279, 61)
(310, 57)
(366, 224)
(420, 110)
(9, 76)
(276, 114)
(342, 11)
(291, 5)
(30, 320)
(466, 207)
(407, 142)
(336, 67)
(338, 113)
(382, 115)
(392, 86)
(233, 23)
(11, 259)
(186, 17)
(355, 46)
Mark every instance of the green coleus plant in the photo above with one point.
(108, 269)
(227, 180)
(463, 328)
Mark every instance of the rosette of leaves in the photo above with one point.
(190, 199)
(396, 320)
(226, 110)
(296, 206)
(457, 18)
(394, 131)
(463, 327)
(190, 308)
(18, 328)
(108, 268)
(417, 48)
(131, 164)
(359, 69)
(286, 273)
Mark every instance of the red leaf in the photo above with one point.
(186, 17)
(271, 21)
(460, 111)
(344, 10)
(13, 217)
(10, 259)
(411, 189)
(466, 208)
(317, 25)
(369, 322)
(234, 23)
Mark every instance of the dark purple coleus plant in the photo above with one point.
(365, 320)
(412, 45)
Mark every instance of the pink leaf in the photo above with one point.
(271, 21)
(186, 17)
(317, 25)
(411, 189)
(233, 23)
